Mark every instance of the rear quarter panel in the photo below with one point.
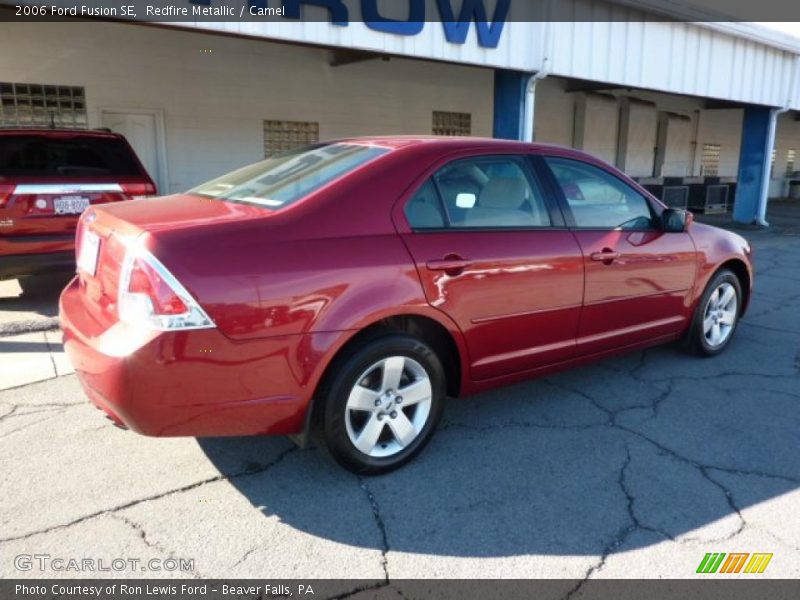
(329, 266)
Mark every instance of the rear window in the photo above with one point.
(57, 156)
(286, 178)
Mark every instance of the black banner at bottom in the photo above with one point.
(713, 588)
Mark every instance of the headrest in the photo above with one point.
(503, 192)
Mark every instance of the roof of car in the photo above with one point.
(404, 141)
(57, 131)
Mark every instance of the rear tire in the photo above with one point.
(716, 316)
(47, 283)
(382, 404)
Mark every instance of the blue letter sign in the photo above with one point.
(413, 26)
(456, 29)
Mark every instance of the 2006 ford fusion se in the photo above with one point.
(344, 290)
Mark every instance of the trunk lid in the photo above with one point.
(105, 232)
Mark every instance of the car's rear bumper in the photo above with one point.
(22, 265)
(188, 383)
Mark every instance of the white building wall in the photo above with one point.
(555, 112)
(215, 102)
(626, 46)
(555, 124)
(723, 127)
(787, 137)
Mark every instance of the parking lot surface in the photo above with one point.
(633, 467)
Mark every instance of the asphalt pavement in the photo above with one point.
(633, 467)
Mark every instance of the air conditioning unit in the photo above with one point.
(710, 195)
(675, 196)
(717, 198)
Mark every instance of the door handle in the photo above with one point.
(452, 265)
(606, 256)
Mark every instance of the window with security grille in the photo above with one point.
(42, 105)
(709, 165)
(282, 136)
(451, 123)
(790, 156)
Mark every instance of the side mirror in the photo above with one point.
(674, 220)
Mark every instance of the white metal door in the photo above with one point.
(142, 132)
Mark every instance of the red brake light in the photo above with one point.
(146, 281)
(6, 189)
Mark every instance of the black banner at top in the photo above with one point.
(401, 16)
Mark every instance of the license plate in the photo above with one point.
(90, 248)
(70, 205)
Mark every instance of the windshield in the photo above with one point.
(286, 178)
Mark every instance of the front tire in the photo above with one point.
(383, 404)
(716, 316)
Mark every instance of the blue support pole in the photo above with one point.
(509, 103)
(758, 128)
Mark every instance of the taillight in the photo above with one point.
(138, 190)
(6, 190)
(150, 296)
(145, 280)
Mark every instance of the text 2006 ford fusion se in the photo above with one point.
(345, 289)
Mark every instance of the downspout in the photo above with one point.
(761, 217)
(528, 130)
(529, 119)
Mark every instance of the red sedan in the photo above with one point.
(344, 290)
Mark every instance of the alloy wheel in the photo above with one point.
(388, 406)
(720, 314)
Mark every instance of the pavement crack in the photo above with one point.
(624, 533)
(608, 412)
(140, 531)
(50, 355)
(516, 423)
(49, 415)
(246, 555)
(10, 413)
(698, 465)
(379, 522)
(631, 500)
(704, 471)
(256, 470)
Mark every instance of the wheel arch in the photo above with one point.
(739, 268)
(444, 338)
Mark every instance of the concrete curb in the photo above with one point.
(29, 326)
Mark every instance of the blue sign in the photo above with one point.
(456, 27)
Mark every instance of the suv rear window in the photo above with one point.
(27, 155)
(286, 178)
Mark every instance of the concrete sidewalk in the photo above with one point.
(32, 357)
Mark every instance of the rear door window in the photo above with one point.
(286, 178)
(53, 157)
(491, 192)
